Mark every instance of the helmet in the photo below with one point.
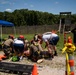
(36, 37)
(21, 37)
(69, 39)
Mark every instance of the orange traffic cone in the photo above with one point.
(34, 71)
(65, 38)
(69, 40)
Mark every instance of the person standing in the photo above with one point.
(74, 35)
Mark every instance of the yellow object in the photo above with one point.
(69, 48)
(67, 65)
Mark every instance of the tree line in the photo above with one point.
(24, 17)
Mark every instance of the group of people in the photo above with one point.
(33, 49)
(14, 46)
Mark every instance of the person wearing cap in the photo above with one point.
(19, 46)
(8, 45)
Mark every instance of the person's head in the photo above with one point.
(40, 38)
(11, 37)
(69, 40)
(36, 37)
(21, 37)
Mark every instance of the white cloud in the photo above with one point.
(56, 2)
(9, 10)
(4, 2)
(31, 5)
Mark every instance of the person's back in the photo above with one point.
(8, 42)
(19, 46)
(48, 35)
(18, 41)
(8, 45)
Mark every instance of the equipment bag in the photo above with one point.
(15, 58)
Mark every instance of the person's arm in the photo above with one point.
(47, 43)
(40, 47)
(67, 32)
(73, 30)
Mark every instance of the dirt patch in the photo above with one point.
(56, 66)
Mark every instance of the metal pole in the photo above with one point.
(60, 26)
(14, 30)
(1, 32)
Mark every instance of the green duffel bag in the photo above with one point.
(15, 58)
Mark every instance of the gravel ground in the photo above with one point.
(56, 66)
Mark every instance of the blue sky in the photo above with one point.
(51, 6)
